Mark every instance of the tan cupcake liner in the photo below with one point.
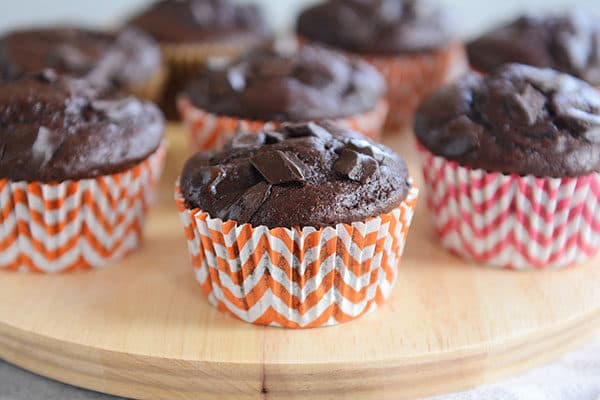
(190, 57)
(153, 88)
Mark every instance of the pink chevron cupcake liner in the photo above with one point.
(59, 227)
(512, 221)
(297, 278)
(210, 131)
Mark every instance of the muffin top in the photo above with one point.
(377, 26)
(520, 119)
(125, 58)
(300, 175)
(567, 42)
(312, 83)
(54, 129)
(189, 21)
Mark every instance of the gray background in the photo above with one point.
(472, 15)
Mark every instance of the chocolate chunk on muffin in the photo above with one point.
(312, 83)
(55, 128)
(130, 59)
(519, 119)
(568, 42)
(377, 26)
(300, 175)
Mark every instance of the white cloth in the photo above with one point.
(575, 376)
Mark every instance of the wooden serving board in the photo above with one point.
(142, 328)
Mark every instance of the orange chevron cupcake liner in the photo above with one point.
(211, 131)
(411, 78)
(297, 277)
(83, 224)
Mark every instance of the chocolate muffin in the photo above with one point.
(511, 162)
(568, 42)
(299, 175)
(520, 119)
(310, 84)
(412, 43)
(57, 128)
(381, 27)
(77, 169)
(190, 31)
(130, 60)
(302, 212)
(202, 21)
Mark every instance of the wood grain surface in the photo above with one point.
(142, 328)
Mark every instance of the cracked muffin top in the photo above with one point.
(299, 175)
(56, 128)
(382, 27)
(519, 119)
(568, 42)
(310, 84)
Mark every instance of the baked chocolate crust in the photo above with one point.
(55, 128)
(300, 175)
(310, 84)
(520, 119)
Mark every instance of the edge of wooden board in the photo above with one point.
(145, 377)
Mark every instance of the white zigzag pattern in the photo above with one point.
(118, 242)
(331, 263)
(215, 296)
(513, 198)
(311, 254)
(522, 195)
(333, 296)
(393, 245)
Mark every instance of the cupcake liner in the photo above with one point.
(59, 227)
(152, 89)
(411, 78)
(292, 277)
(188, 57)
(512, 221)
(211, 131)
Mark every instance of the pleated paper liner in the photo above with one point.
(412, 77)
(512, 221)
(297, 278)
(211, 131)
(153, 88)
(188, 57)
(83, 224)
